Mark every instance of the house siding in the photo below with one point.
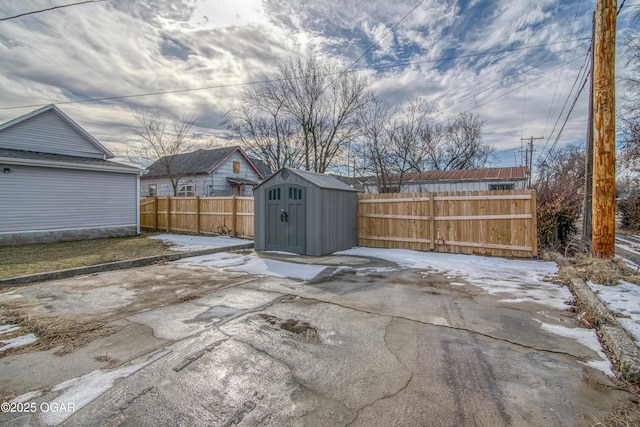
(62, 203)
(442, 186)
(48, 133)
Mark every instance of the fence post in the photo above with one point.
(534, 224)
(234, 216)
(197, 214)
(432, 222)
(155, 213)
(168, 214)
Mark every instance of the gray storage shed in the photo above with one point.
(305, 213)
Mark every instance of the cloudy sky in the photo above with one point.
(514, 63)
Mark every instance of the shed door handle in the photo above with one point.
(284, 217)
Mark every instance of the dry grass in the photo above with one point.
(622, 416)
(64, 333)
(39, 258)
(602, 272)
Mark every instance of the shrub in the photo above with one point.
(630, 211)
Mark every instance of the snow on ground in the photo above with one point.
(255, 265)
(586, 337)
(86, 388)
(194, 243)
(623, 300)
(16, 341)
(517, 280)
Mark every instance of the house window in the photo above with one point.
(496, 187)
(153, 190)
(187, 190)
(236, 167)
(210, 190)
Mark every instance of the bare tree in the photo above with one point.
(160, 141)
(398, 140)
(307, 104)
(458, 145)
(630, 109)
(376, 153)
(266, 131)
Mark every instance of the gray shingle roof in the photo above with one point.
(262, 167)
(194, 163)
(319, 179)
(59, 158)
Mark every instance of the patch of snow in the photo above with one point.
(365, 271)
(194, 243)
(589, 339)
(5, 329)
(82, 390)
(255, 265)
(27, 397)
(622, 300)
(281, 253)
(630, 244)
(18, 341)
(516, 280)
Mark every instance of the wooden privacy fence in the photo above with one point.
(200, 215)
(499, 223)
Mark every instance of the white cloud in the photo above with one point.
(124, 48)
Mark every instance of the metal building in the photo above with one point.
(305, 213)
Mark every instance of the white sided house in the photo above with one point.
(490, 179)
(226, 171)
(57, 184)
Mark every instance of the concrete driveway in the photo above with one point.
(343, 340)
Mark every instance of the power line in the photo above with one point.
(564, 58)
(510, 91)
(375, 43)
(583, 69)
(401, 64)
(506, 80)
(584, 83)
(50, 8)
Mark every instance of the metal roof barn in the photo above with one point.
(305, 213)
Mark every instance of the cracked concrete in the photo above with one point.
(368, 345)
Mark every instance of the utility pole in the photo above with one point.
(604, 130)
(587, 210)
(529, 153)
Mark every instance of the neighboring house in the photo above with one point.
(355, 183)
(57, 184)
(513, 178)
(224, 171)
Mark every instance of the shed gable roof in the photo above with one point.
(318, 179)
(198, 162)
(50, 130)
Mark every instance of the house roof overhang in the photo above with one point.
(238, 181)
(25, 158)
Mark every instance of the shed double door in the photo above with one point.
(285, 225)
